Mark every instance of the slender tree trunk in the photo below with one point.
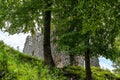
(71, 60)
(87, 65)
(48, 60)
(72, 63)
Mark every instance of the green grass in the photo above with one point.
(15, 65)
(97, 73)
(18, 66)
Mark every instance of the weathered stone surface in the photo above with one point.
(34, 46)
(94, 61)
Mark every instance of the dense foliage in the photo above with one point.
(116, 65)
(116, 61)
(83, 27)
(22, 16)
(90, 25)
(89, 28)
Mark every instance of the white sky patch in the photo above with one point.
(19, 40)
(105, 63)
(16, 40)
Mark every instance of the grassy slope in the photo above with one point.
(17, 66)
(97, 73)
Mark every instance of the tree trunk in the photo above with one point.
(87, 65)
(48, 60)
(72, 63)
(71, 60)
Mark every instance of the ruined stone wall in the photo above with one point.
(94, 61)
(34, 46)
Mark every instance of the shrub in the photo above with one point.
(97, 73)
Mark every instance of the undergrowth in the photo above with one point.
(15, 65)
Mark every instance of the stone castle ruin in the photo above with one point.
(34, 47)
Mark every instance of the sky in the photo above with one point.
(14, 40)
(19, 40)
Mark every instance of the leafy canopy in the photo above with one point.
(21, 15)
(82, 25)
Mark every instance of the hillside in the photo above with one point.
(15, 65)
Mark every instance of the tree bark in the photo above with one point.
(48, 60)
(87, 65)
(71, 60)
